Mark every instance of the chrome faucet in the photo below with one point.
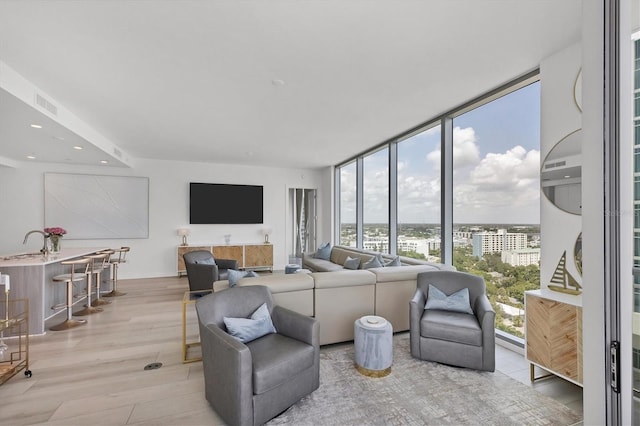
(44, 249)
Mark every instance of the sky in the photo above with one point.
(496, 177)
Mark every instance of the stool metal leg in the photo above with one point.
(89, 308)
(99, 301)
(70, 322)
(114, 279)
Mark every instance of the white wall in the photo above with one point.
(22, 209)
(559, 116)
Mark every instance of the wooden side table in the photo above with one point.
(190, 298)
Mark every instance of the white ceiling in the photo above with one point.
(194, 80)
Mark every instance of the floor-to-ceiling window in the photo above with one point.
(496, 194)
(636, 229)
(347, 203)
(496, 199)
(418, 189)
(375, 186)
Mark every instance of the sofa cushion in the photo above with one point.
(352, 263)
(321, 265)
(373, 263)
(248, 329)
(277, 283)
(323, 252)
(400, 273)
(394, 262)
(343, 278)
(454, 302)
(277, 358)
(451, 326)
(233, 276)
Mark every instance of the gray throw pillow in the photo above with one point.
(456, 302)
(323, 252)
(352, 263)
(209, 261)
(248, 329)
(394, 262)
(373, 263)
(234, 276)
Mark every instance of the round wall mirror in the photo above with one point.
(577, 253)
(561, 174)
(577, 90)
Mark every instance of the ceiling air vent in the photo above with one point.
(43, 103)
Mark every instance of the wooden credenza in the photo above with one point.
(553, 333)
(249, 256)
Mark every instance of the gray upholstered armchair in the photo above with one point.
(454, 338)
(249, 384)
(203, 269)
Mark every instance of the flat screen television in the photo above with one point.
(217, 203)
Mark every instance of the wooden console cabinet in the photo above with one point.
(249, 256)
(553, 333)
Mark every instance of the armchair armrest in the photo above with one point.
(228, 371)
(416, 309)
(227, 264)
(295, 325)
(487, 319)
(485, 313)
(200, 274)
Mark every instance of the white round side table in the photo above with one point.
(373, 341)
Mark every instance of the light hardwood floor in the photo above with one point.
(95, 374)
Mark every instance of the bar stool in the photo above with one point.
(122, 258)
(97, 265)
(70, 278)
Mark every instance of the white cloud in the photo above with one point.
(465, 149)
(501, 187)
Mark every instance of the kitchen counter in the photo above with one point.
(31, 278)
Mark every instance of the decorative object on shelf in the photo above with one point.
(55, 235)
(227, 239)
(184, 233)
(266, 230)
(562, 280)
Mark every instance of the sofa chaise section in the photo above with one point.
(291, 291)
(341, 297)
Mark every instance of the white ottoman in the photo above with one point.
(373, 341)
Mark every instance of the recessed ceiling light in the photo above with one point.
(567, 176)
(31, 157)
(104, 161)
(36, 126)
(277, 82)
(78, 147)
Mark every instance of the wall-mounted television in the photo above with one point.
(217, 203)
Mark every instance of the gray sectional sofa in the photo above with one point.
(337, 296)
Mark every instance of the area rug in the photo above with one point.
(419, 393)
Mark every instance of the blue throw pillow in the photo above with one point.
(352, 263)
(208, 261)
(456, 302)
(248, 329)
(373, 263)
(234, 276)
(323, 252)
(394, 262)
